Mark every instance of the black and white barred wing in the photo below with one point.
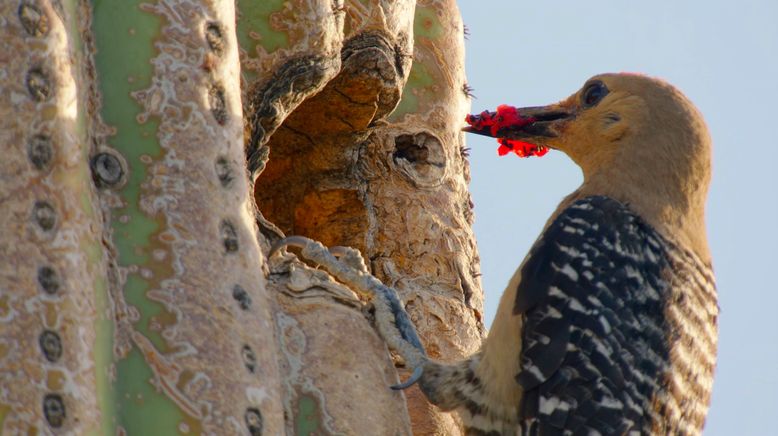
(594, 345)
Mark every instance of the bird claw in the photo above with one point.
(417, 373)
(392, 321)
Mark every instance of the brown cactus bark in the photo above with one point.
(375, 160)
(136, 296)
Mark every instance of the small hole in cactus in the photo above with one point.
(406, 147)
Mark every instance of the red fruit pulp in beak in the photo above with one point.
(506, 116)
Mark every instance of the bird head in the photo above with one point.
(636, 138)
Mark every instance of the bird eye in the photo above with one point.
(593, 93)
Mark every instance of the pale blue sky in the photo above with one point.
(724, 56)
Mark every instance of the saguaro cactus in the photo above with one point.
(55, 327)
(135, 291)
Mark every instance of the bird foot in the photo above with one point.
(393, 323)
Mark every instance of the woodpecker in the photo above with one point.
(609, 325)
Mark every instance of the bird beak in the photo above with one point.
(531, 123)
